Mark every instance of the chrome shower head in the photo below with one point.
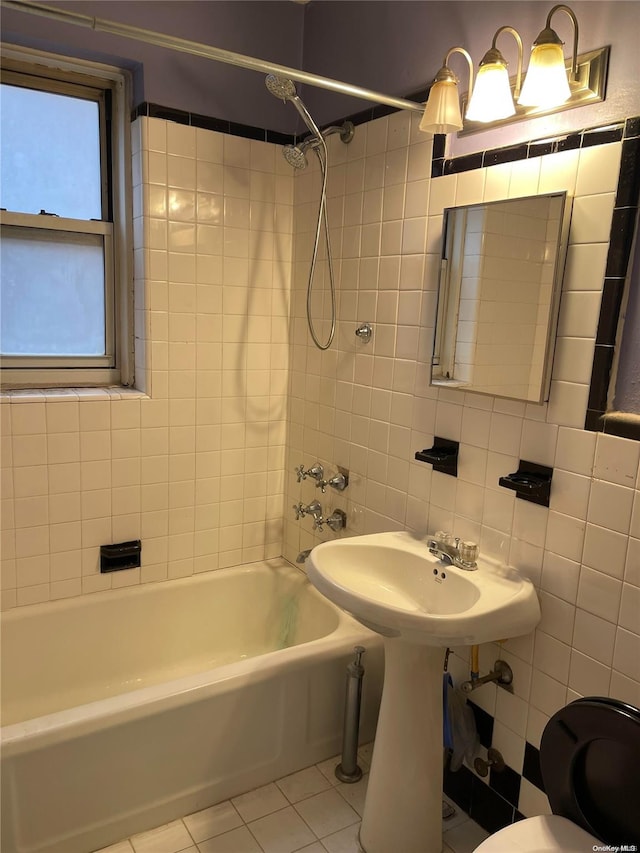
(295, 156)
(281, 87)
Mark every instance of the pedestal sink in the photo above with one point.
(393, 585)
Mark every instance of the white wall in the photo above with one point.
(194, 466)
(369, 407)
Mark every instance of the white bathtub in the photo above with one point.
(126, 709)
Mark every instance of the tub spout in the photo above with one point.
(302, 556)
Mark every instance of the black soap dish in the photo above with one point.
(443, 456)
(531, 482)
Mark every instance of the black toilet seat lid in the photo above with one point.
(590, 763)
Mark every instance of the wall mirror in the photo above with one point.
(499, 295)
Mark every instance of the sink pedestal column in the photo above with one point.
(403, 807)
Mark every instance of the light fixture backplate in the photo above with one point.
(589, 88)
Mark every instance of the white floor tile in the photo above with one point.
(237, 841)
(120, 847)
(365, 753)
(303, 784)
(282, 832)
(345, 841)
(328, 767)
(212, 821)
(260, 802)
(326, 813)
(354, 793)
(465, 837)
(169, 838)
(456, 819)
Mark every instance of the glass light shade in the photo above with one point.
(491, 97)
(442, 112)
(546, 84)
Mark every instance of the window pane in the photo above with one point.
(51, 293)
(50, 154)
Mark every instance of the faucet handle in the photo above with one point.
(468, 553)
(299, 511)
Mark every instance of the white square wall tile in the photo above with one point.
(587, 676)
(616, 460)
(575, 450)
(605, 550)
(599, 594)
(598, 169)
(626, 657)
(610, 506)
(591, 218)
(630, 608)
(594, 636)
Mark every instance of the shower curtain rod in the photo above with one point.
(209, 52)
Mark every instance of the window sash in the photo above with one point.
(108, 87)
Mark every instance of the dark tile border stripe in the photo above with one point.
(211, 123)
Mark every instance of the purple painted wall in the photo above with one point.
(268, 30)
(397, 47)
(393, 46)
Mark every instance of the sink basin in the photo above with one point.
(393, 585)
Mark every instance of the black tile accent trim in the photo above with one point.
(531, 767)
(506, 155)
(622, 429)
(457, 786)
(506, 783)
(463, 164)
(628, 193)
(602, 136)
(610, 305)
(632, 127)
(600, 374)
(488, 808)
(622, 227)
(484, 724)
(211, 123)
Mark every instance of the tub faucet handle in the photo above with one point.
(316, 472)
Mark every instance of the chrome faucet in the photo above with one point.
(316, 472)
(336, 521)
(454, 552)
(314, 509)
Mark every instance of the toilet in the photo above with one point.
(590, 764)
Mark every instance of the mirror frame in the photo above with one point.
(554, 306)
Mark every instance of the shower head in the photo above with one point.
(295, 156)
(281, 87)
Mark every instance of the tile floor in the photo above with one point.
(307, 812)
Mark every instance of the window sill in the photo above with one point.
(54, 395)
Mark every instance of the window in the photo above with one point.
(64, 291)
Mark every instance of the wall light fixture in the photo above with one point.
(442, 111)
(491, 97)
(552, 84)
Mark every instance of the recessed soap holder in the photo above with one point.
(443, 456)
(531, 482)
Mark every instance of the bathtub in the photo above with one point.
(126, 709)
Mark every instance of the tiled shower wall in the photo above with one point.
(194, 469)
(368, 407)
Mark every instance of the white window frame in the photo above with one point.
(62, 76)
